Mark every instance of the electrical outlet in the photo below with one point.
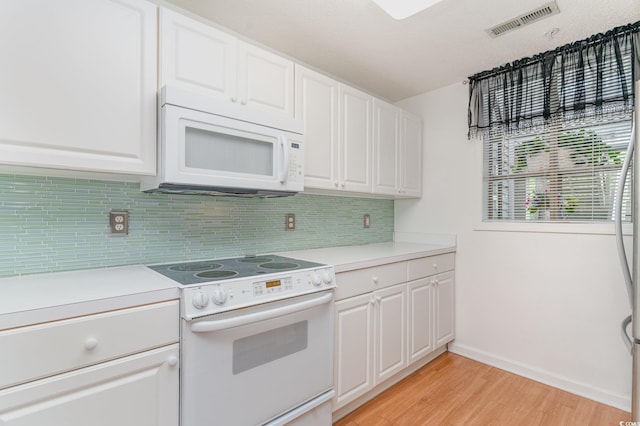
(367, 221)
(289, 222)
(119, 222)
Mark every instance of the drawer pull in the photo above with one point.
(172, 361)
(435, 266)
(91, 343)
(376, 280)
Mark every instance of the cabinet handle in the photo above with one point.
(378, 300)
(436, 282)
(91, 343)
(243, 102)
(372, 301)
(435, 266)
(233, 100)
(342, 184)
(335, 183)
(375, 280)
(172, 361)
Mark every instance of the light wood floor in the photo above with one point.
(453, 390)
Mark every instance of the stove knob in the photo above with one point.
(316, 280)
(327, 278)
(219, 296)
(200, 300)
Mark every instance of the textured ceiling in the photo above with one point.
(355, 41)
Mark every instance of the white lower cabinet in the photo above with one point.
(388, 318)
(431, 314)
(112, 368)
(353, 361)
(444, 308)
(390, 335)
(138, 390)
(371, 341)
(420, 323)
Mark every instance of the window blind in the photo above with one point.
(568, 172)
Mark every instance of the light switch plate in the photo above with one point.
(367, 221)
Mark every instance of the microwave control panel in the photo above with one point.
(296, 161)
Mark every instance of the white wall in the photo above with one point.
(543, 305)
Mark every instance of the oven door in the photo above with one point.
(248, 366)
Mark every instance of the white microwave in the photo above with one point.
(207, 146)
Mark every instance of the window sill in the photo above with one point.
(555, 228)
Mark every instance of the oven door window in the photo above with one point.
(259, 349)
(226, 152)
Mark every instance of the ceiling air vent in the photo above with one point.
(541, 12)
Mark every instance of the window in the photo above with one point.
(556, 129)
(568, 172)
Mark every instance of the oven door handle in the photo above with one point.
(216, 325)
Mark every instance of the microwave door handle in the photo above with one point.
(216, 325)
(284, 155)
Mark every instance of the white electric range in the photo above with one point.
(256, 340)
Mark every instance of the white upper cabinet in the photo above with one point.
(355, 109)
(355, 142)
(410, 164)
(397, 151)
(197, 56)
(265, 80)
(338, 133)
(386, 141)
(78, 85)
(317, 106)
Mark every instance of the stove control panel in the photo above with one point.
(227, 295)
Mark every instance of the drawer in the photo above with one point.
(426, 266)
(360, 281)
(45, 349)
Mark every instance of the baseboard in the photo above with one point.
(622, 402)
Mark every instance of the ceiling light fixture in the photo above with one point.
(400, 9)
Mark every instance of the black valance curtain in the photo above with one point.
(589, 78)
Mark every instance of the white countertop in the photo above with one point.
(348, 258)
(32, 299)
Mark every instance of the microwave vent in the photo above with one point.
(544, 11)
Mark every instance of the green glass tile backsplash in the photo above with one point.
(54, 224)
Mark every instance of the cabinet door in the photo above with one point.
(410, 156)
(265, 80)
(196, 56)
(353, 368)
(355, 139)
(386, 133)
(445, 312)
(139, 390)
(317, 105)
(79, 85)
(420, 314)
(390, 331)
